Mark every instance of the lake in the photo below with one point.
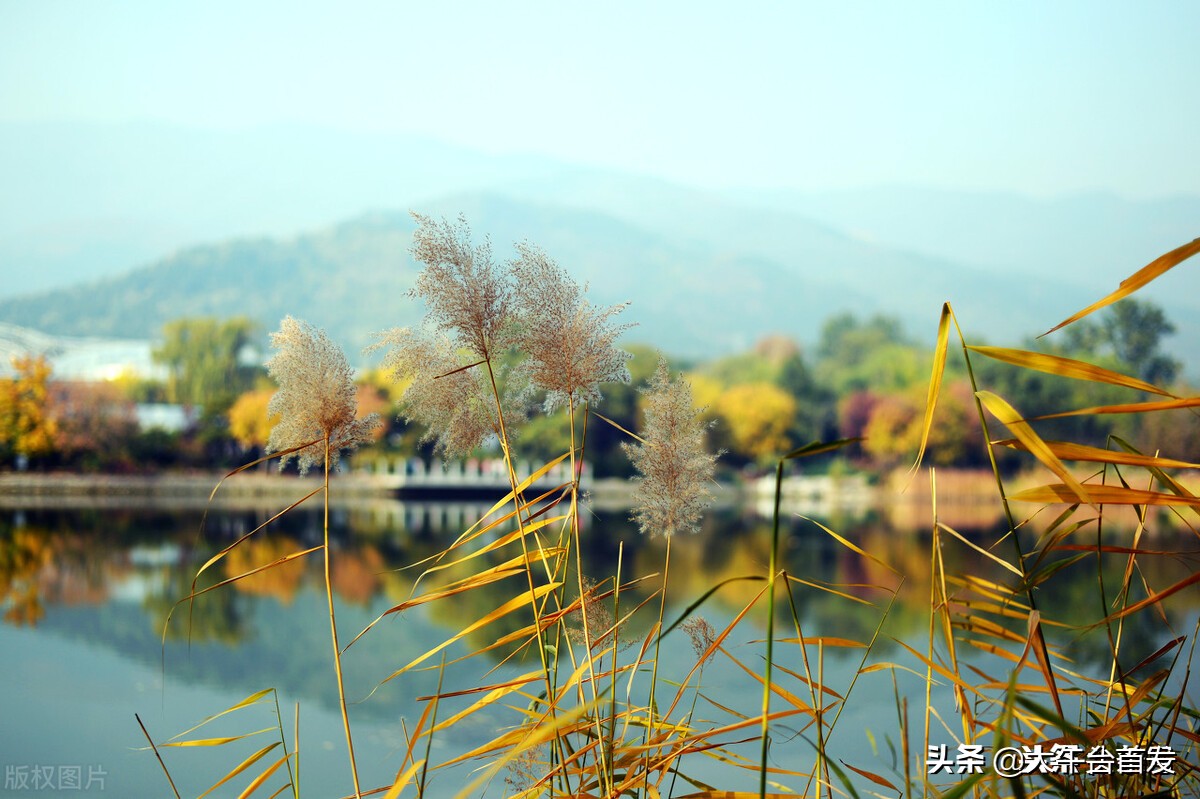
(89, 583)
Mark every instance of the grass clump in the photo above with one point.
(590, 710)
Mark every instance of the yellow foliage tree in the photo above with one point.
(27, 426)
(757, 417)
(249, 423)
(893, 432)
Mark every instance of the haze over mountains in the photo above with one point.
(112, 230)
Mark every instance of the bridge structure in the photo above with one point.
(415, 476)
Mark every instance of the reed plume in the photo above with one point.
(569, 343)
(452, 401)
(467, 295)
(316, 401)
(674, 467)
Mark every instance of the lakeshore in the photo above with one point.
(966, 498)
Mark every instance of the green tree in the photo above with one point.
(1132, 331)
(854, 355)
(205, 361)
(816, 409)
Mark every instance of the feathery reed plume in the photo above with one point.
(675, 469)
(465, 292)
(594, 615)
(702, 635)
(453, 403)
(569, 343)
(316, 401)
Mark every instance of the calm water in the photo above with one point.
(88, 591)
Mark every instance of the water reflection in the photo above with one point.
(108, 557)
(110, 577)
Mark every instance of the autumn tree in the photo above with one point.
(249, 423)
(96, 425)
(27, 425)
(757, 417)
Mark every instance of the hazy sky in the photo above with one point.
(1041, 97)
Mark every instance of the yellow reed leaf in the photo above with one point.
(1102, 495)
(1009, 417)
(1147, 273)
(1065, 367)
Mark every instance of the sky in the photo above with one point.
(1040, 98)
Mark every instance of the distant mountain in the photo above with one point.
(707, 271)
(83, 201)
(1093, 241)
(352, 281)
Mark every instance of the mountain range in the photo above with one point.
(95, 240)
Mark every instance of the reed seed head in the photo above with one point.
(316, 400)
(570, 344)
(671, 490)
(454, 404)
(467, 295)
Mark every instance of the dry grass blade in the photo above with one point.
(851, 546)
(1055, 493)
(1070, 451)
(513, 566)
(1128, 407)
(227, 549)
(935, 384)
(1154, 598)
(1009, 417)
(782, 692)
(511, 605)
(824, 640)
(828, 589)
(604, 418)
(245, 764)
(221, 741)
(253, 699)
(150, 740)
(1162, 650)
(1036, 641)
(1140, 278)
(242, 576)
(261, 778)
(875, 778)
(997, 560)
(485, 701)
(820, 448)
(736, 794)
(1066, 367)
(542, 733)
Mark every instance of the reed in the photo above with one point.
(595, 713)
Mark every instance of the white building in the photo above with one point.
(79, 358)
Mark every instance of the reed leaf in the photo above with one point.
(1140, 278)
(1054, 493)
(1009, 417)
(526, 598)
(1070, 451)
(1065, 367)
(261, 778)
(241, 767)
(935, 383)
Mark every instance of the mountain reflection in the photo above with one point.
(114, 576)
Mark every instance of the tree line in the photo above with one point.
(864, 378)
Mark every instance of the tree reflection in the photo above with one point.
(25, 555)
(215, 617)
